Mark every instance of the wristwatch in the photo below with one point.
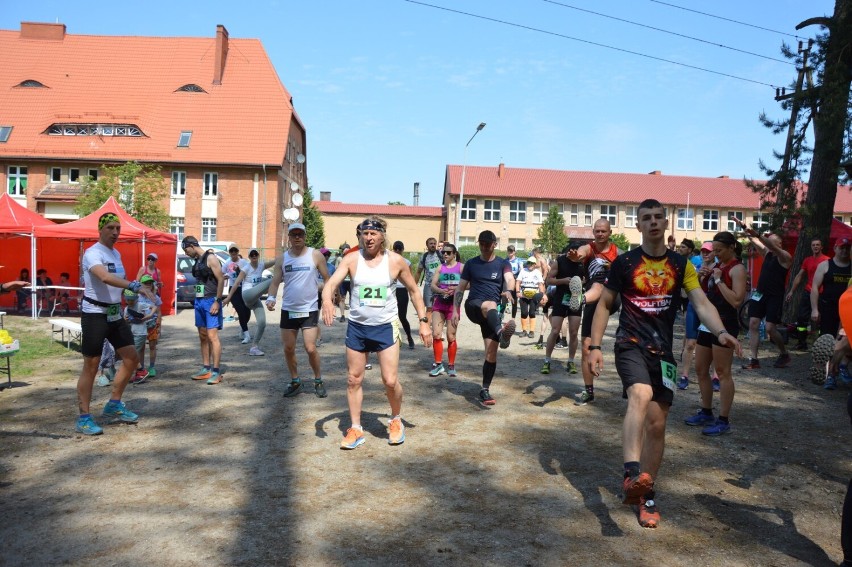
(594, 347)
(720, 333)
(424, 319)
(718, 281)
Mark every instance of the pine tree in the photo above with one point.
(551, 233)
(312, 219)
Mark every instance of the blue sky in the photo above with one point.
(390, 91)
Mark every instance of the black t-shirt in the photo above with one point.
(834, 282)
(772, 276)
(486, 278)
(565, 268)
(650, 293)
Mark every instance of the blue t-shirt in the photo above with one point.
(696, 261)
(486, 278)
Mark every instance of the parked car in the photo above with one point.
(186, 281)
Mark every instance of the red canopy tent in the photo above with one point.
(16, 242)
(60, 247)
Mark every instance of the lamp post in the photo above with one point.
(461, 192)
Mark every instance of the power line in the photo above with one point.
(668, 32)
(539, 30)
(727, 19)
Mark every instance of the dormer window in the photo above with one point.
(185, 137)
(31, 84)
(191, 88)
(5, 132)
(118, 130)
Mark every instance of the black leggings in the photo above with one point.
(402, 305)
(243, 312)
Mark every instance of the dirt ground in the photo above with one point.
(235, 474)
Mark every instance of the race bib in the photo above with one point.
(450, 278)
(432, 266)
(113, 313)
(199, 290)
(297, 314)
(756, 296)
(566, 299)
(373, 296)
(669, 374)
(702, 327)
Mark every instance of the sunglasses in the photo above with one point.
(447, 252)
(152, 258)
(297, 234)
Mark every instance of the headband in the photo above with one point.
(107, 218)
(370, 224)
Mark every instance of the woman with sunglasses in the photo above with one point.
(444, 282)
(150, 269)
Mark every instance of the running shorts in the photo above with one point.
(294, 320)
(203, 318)
(96, 329)
(371, 338)
(637, 365)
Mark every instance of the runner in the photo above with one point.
(345, 285)
(487, 276)
(831, 280)
(232, 270)
(567, 275)
(517, 265)
(445, 282)
(725, 286)
(104, 280)
(402, 296)
(649, 279)
(251, 285)
(806, 274)
(372, 324)
(429, 262)
(299, 267)
(691, 323)
(531, 292)
(209, 283)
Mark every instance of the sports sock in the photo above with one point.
(723, 419)
(216, 370)
(438, 349)
(631, 469)
(451, 352)
(591, 389)
(488, 369)
(707, 411)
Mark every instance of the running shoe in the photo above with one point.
(139, 376)
(353, 438)
(485, 397)
(254, 351)
(102, 381)
(575, 286)
(649, 516)
(396, 431)
(821, 352)
(683, 383)
(844, 374)
(540, 344)
(87, 426)
(451, 371)
(830, 383)
(343, 320)
(319, 342)
(716, 384)
(571, 367)
(561, 343)
(700, 418)
(293, 389)
(319, 388)
(117, 410)
(506, 333)
(410, 343)
(783, 361)
(368, 366)
(203, 374)
(545, 368)
(246, 338)
(583, 398)
(753, 364)
(635, 487)
(152, 372)
(215, 378)
(437, 369)
(716, 429)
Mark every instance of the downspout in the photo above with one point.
(263, 222)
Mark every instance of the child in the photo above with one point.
(152, 324)
(136, 315)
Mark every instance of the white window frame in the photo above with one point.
(491, 210)
(56, 175)
(467, 241)
(176, 226)
(685, 219)
(574, 215)
(710, 220)
(631, 213)
(587, 215)
(518, 211)
(733, 226)
(757, 221)
(610, 213)
(179, 184)
(520, 244)
(468, 210)
(540, 210)
(17, 174)
(211, 185)
(74, 175)
(208, 230)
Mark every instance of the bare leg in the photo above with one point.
(355, 362)
(389, 363)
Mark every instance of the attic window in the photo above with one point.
(191, 88)
(31, 83)
(5, 132)
(117, 130)
(183, 141)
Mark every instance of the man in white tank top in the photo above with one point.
(299, 266)
(372, 326)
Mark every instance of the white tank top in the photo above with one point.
(253, 276)
(372, 300)
(300, 282)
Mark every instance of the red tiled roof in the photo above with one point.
(552, 185)
(132, 80)
(380, 210)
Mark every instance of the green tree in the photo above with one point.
(140, 189)
(312, 219)
(396, 203)
(551, 233)
(620, 241)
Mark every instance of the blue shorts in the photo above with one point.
(203, 318)
(371, 338)
(691, 323)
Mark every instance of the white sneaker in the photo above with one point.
(246, 338)
(254, 351)
(102, 380)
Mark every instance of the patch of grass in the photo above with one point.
(40, 353)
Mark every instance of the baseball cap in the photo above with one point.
(153, 255)
(487, 236)
(145, 279)
(707, 246)
(532, 260)
(843, 242)
(325, 251)
(295, 226)
(188, 242)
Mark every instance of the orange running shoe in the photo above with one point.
(649, 516)
(203, 374)
(396, 431)
(353, 438)
(635, 487)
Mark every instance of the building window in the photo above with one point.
(93, 174)
(491, 210)
(630, 214)
(211, 184)
(733, 226)
(540, 212)
(520, 244)
(468, 209)
(208, 230)
(17, 184)
(610, 213)
(587, 215)
(56, 175)
(178, 183)
(176, 227)
(710, 221)
(183, 141)
(5, 132)
(74, 175)
(574, 215)
(759, 221)
(467, 241)
(686, 219)
(840, 218)
(517, 211)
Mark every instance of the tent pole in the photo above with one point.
(33, 296)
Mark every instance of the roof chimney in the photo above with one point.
(655, 172)
(221, 54)
(416, 193)
(501, 170)
(38, 30)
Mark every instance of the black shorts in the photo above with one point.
(709, 340)
(294, 321)
(637, 365)
(829, 317)
(473, 310)
(546, 307)
(769, 306)
(96, 329)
